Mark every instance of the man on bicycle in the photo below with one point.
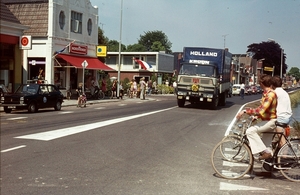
(266, 112)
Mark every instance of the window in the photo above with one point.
(89, 27)
(111, 60)
(76, 22)
(62, 19)
(127, 60)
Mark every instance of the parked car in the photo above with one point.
(253, 89)
(248, 90)
(32, 97)
(259, 89)
(236, 89)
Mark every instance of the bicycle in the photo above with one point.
(232, 158)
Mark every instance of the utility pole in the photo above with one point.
(225, 39)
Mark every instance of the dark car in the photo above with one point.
(32, 97)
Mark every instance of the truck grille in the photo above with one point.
(203, 81)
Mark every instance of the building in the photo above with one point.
(10, 54)
(64, 37)
(161, 64)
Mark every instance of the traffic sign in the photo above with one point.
(84, 64)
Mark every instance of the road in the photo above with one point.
(125, 147)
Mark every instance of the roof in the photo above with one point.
(32, 13)
(6, 14)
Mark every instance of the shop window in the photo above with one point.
(76, 22)
(62, 20)
(89, 27)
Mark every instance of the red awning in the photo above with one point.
(93, 63)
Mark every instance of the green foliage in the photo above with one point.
(271, 52)
(102, 40)
(136, 47)
(113, 45)
(157, 46)
(164, 89)
(295, 98)
(150, 39)
(126, 84)
(295, 73)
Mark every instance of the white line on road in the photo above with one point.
(17, 118)
(55, 134)
(15, 148)
(231, 187)
(66, 112)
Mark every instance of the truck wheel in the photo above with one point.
(32, 108)
(222, 97)
(180, 103)
(57, 106)
(7, 110)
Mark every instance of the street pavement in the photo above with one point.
(73, 102)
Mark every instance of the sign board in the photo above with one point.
(268, 68)
(101, 51)
(84, 64)
(78, 49)
(25, 42)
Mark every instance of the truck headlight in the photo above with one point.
(2, 99)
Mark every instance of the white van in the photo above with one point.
(236, 89)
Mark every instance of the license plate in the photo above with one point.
(11, 107)
(179, 97)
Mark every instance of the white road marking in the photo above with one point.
(231, 187)
(55, 134)
(122, 104)
(17, 118)
(66, 112)
(100, 108)
(15, 148)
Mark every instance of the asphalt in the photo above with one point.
(73, 102)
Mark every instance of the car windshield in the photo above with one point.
(27, 89)
(199, 70)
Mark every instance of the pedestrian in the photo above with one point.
(266, 112)
(154, 86)
(79, 91)
(283, 109)
(242, 92)
(149, 87)
(114, 89)
(142, 88)
(135, 87)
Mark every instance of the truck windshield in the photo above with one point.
(199, 70)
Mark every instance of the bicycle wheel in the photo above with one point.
(231, 159)
(237, 139)
(288, 163)
(101, 95)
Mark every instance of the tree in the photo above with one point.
(270, 51)
(295, 73)
(102, 40)
(136, 47)
(151, 37)
(113, 45)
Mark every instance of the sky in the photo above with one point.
(206, 23)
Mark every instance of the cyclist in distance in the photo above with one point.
(266, 111)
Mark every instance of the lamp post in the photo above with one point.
(120, 43)
(281, 57)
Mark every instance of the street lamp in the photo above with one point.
(120, 43)
(281, 57)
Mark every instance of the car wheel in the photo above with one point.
(57, 106)
(7, 110)
(32, 108)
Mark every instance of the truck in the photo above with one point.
(204, 76)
